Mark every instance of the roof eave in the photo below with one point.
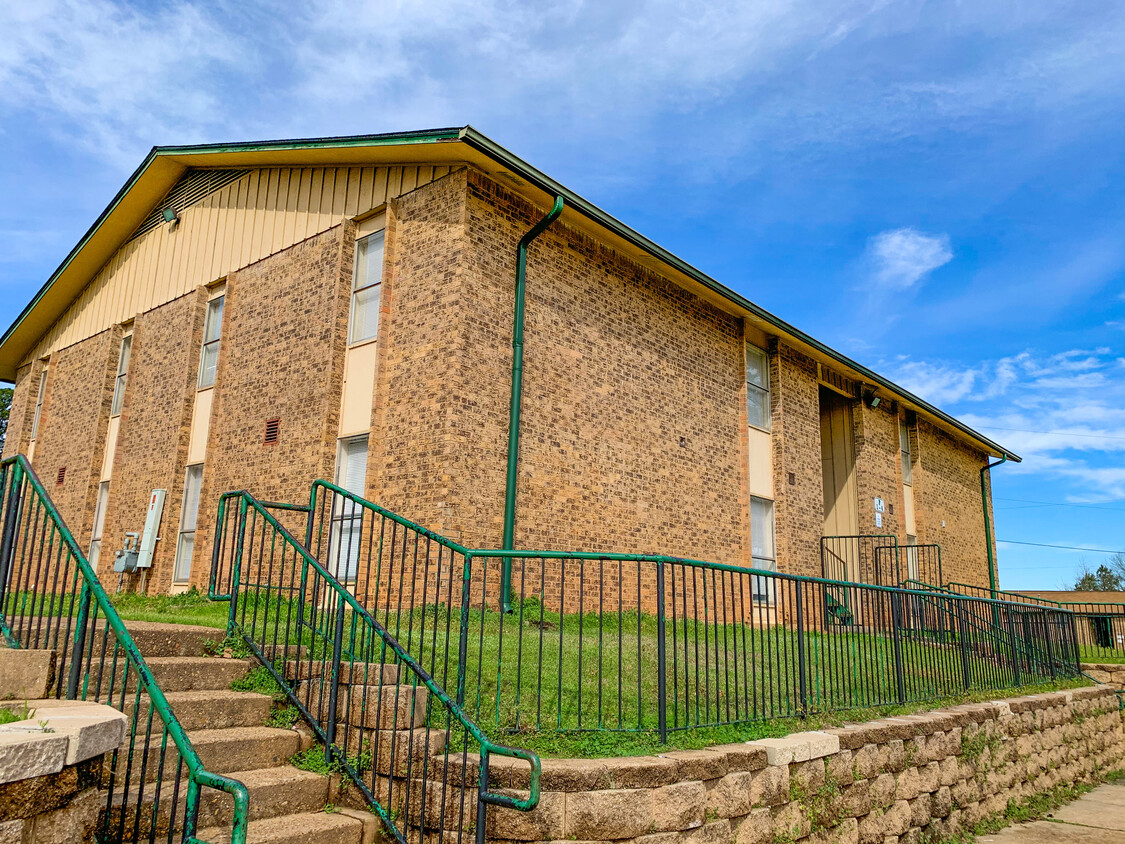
(597, 215)
(175, 155)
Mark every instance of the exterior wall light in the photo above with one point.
(171, 217)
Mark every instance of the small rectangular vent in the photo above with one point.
(273, 430)
(61, 476)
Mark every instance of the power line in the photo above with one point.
(1056, 433)
(1057, 504)
(1063, 547)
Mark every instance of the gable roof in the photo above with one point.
(164, 165)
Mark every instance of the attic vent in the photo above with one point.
(61, 476)
(273, 429)
(194, 186)
(836, 381)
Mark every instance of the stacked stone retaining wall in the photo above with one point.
(1112, 674)
(911, 779)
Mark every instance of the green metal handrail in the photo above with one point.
(992, 629)
(488, 748)
(893, 595)
(953, 586)
(92, 591)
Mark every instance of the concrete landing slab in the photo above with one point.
(1096, 818)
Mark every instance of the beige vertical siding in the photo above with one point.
(262, 213)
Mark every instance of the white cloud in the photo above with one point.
(900, 258)
(1064, 413)
(742, 81)
(115, 78)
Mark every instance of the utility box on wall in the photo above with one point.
(150, 534)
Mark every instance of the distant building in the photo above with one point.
(260, 315)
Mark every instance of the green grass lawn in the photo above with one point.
(1108, 656)
(588, 684)
(187, 608)
(535, 678)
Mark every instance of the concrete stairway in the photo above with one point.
(227, 730)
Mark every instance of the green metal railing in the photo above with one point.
(1100, 625)
(418, 759)
(50, 598)
(1016, 622)
(647, 642)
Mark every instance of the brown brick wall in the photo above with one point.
(947, 487)
(416, 454)
(282, 356)
(72, 427)
(20, 415)
(878, 470)
(799, 509)
(152, 440)
(620, 364)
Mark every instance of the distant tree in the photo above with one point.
(1107, 578)
(5, 407)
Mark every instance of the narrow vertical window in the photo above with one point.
(904, 448)
(762, 545)
(99, 523)
(351, 474)
(189, 515)
(366, 287)
(757, 387)
(212, 331)
(122, 375)
(912, 568)
(39, 403)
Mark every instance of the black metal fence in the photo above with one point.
(373, 690)
(1099, 626)
(1101, 630)
(627, 642)
(50, 599)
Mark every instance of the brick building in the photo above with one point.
(261, 315)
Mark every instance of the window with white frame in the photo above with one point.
(99, 523)
(212, 333)
(122, 375)
(904, 448)
(189, 516)
(347, 516)
(366, 288)
(757, 387)
(39, 402)
(762, 545)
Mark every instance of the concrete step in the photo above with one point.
(274, 792)
(196, 673)
(155, 639)
(217, 709)
(244, 748)
(221, 751)
(306, 828)
(372, 707)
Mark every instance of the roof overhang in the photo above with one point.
(164, 166)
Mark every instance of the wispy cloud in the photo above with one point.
(116, 78)
(1063, 412)
(901, 258)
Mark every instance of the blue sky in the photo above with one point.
(933, 188)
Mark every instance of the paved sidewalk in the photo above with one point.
(1096, 818)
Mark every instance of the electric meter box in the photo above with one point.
(150, 534)
(125, 560)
